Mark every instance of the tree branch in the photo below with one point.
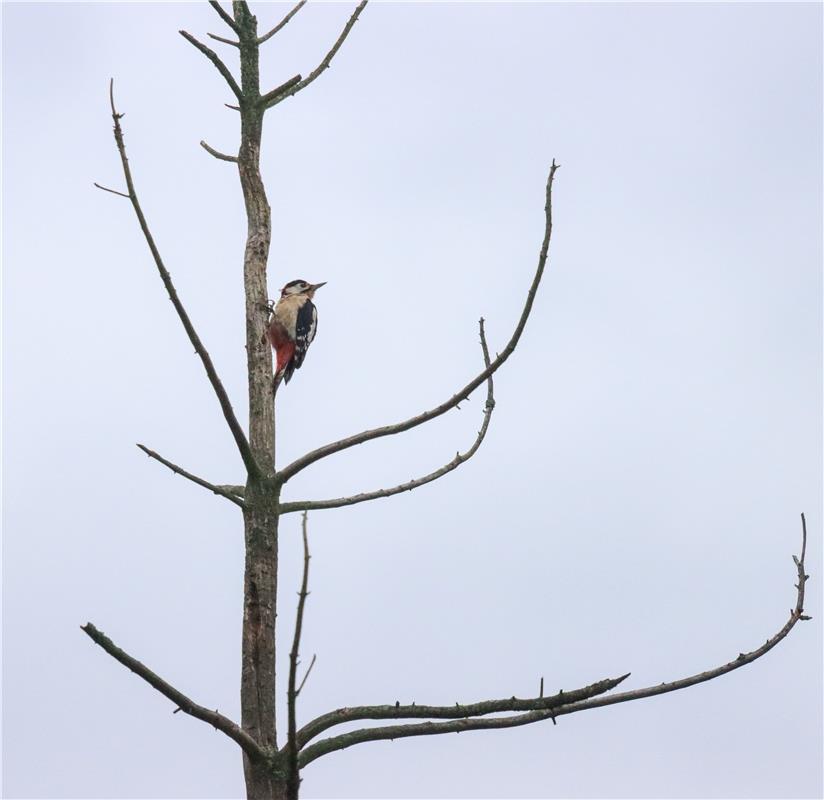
(224, 15)
(306, 675)
(282, 23)
(293, 780)
(460, 458)
(183, 703)
(569, 703)
(464, 718)
(335, 447)
(211, 372)
(324, 65)
(215, 59)
(223, 491)
(279, 90)
(216, 153)
(113, 191)
(741, 660)
(222, 39)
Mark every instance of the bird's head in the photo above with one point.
(300, 286)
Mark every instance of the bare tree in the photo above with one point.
(272, 770)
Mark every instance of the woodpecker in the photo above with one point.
(293, 326)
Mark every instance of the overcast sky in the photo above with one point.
(657, 432)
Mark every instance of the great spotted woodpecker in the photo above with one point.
(292, 327)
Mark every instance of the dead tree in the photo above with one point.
(272, 770)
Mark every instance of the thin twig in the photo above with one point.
(460, 458)
(113, 191)
(463, 718)
(306, 675)
(225, 16)
(281, 24)
(221, 39)
(292, 694)
(342, 444)
(216, 153)
(220, 490)
(211, 372)
(216, 60)
(183, 703)
(324, 65)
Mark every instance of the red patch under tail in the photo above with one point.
(284, 356)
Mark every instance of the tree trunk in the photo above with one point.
(264, 780)
(257, 690)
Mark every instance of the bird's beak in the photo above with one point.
(318, 285)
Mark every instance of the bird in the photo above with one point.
(292, 327)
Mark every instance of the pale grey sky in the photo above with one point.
(657, 433)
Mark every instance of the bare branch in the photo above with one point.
(113, 191)
(217, 154)
(225, 41)
(293, 780)
(464, 717)
(279, 90)
(221, 490)
(211, 372)
(225, 16)
(215, 59)
(460, 458)
(282, 23)
(183, 703)
(741, 660)
(306, 675)
(388, 430)
(393, 732)
(458, 711)
(324, 65)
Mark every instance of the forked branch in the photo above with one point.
(183, 703)
(473, 717)
(211, 372)
(458, 711)
(324, 65)
(460, 720)
(462, 394)
(460, 458)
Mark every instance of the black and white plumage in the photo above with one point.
(293, 326)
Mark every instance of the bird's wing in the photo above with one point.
(306, 326)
